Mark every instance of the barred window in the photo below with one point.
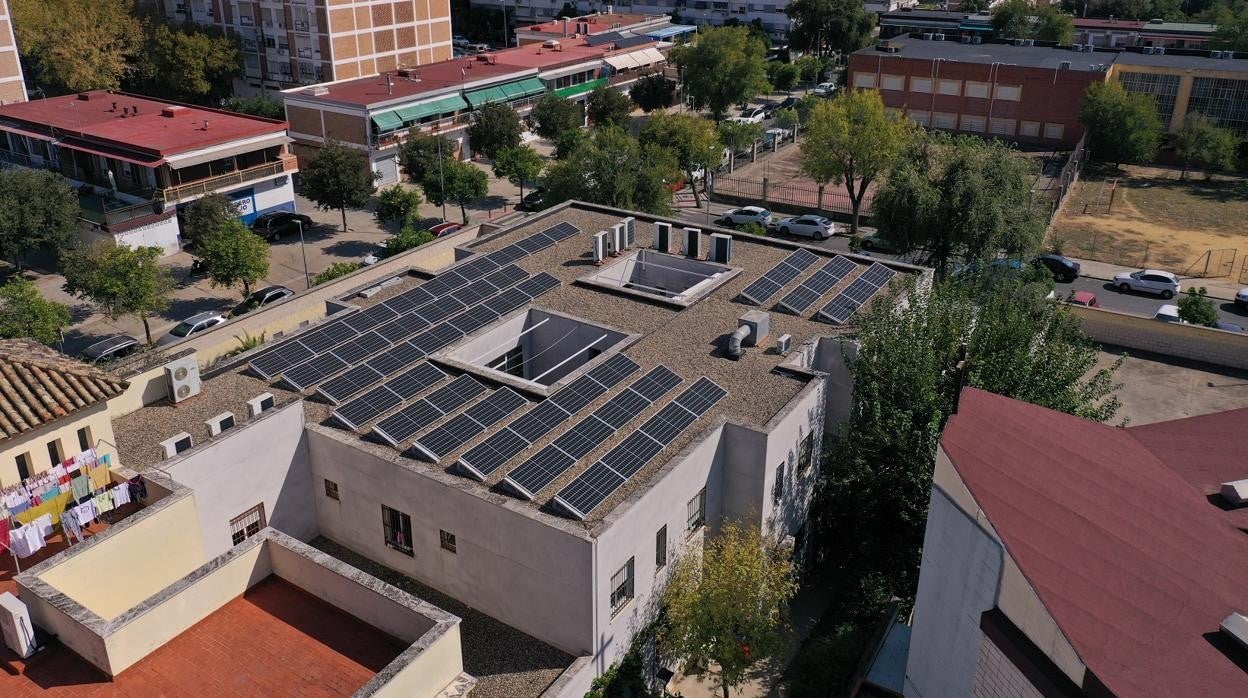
(396, 529)
(695, 512)
(622, 586)
(1222, 99)
(1163, 88)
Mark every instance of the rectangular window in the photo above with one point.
(923, 85)
(1054, 131)
(23, 465)
(864, 80)
(1029, 129)
(397, 529)
(1009, 93)
(944, 120)
(777, 491)
(247, 524)
(806, 453)
(84, 438)
(1001, 127)
(695, 512)
(949, 87)
(1164, 89)
(919, 117)
(975, 124)
(977, 89)
(54, 451)
(331, 490)
(892, 82)
(622, 586)
(447, 541)
(660, 548)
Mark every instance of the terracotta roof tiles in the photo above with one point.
(39, 385)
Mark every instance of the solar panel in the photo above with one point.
(562, 231)
(493, 453)
(604, 39)
(615, 369)
(539, 421)
(349, 383)
(309, 372)
(441, 309)
(506, 255)
(401, 328)
(506, 277)
(541, 469)
(587, 435)
(365, 345)
(507, 301)
(577, 394)
(822, 281)
(842, 307)
(444, 283)
(622, 408)
(271, 363)
(366, 320)
(538, 285)
(631, 41)
(415, 381)
(384, 398)
(654, 384)
(779, 276)
(603, 478)
(535, 243)
(412, 419)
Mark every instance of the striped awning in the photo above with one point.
(445, 105)
(506, 92)
(387, 121)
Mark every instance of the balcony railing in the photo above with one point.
(173, 195)
(97, 209)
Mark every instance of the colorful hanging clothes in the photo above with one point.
(103, 502)
(81, 487)
(100, 477)
(51, 508)
(121, 495)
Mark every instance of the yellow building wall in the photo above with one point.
(1187, 77)
(64, 431)
(133, 563)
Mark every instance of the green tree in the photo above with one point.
(729, 605)
(722, 67)
(1196, 308)
(569, 141)
(408, 238)
(613, 169)
(1121, 126)
(1053, 25)
(952, 197)
(398, 204)
(692, 139)
(653, 92)
(119, 280)
(519, 165)
(810, 67)
(38, 208)
(1011, 19)
(207, 215)
(25, 313)
(1232, 29)
(260, 105)
(739, 135)
(463, 184)
(339, 176)
(607, 107)
(826, 26)
(420, 153)
(786, 119)
(1200, 141)
(905, 381)
(782, 76)
(852, 140)
(334, 271)
(552, 115)
(187, 63)
(234, 255)
(494, 127)
(79, 45)
(972, 6)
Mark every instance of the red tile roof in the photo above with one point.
(1125, 25)
(1131, 562)
(39, 385)
(598, 24)
(97, 119)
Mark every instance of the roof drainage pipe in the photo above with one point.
(735, 341)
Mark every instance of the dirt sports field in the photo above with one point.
(1193, 228)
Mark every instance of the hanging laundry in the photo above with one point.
(81, 486)
(4, 533)
(100, 477)
(121, 495)
(103, 502)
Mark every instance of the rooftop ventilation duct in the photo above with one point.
(1236, 626)
(1236, 492)
(752, 327)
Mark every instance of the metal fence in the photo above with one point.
(1065, 180)
(796, 196)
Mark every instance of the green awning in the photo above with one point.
(387, 121)
(446, 105)
(574, 90)
(489, 94)
(506, 93)
(525, 88)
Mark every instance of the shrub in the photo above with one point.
(753, 228)
(405, 240)
(334, 271)
(398, 204)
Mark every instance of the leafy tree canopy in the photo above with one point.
(339, 176)
(653, 92)
(1232, 31)
(1200, 141)
(739, 135)
(259, 105)
(234, 255)
(607, 107)
(552, 115)
(26, 314)
(519, 165)
(613, 169)
(826, 26)
(119, 280)
(398, 204)
(79, 45)
(782, 76)
(38, 208)
(421, 152)
(722, 67)
(188, 63)
(206, 215)
(495, 126)
(463, 185)
(1025, 19)
(1121, 126)
(1196, 308)
(692, 139)
(408, 238)
(334, 271)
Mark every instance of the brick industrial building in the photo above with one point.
(1031, 94)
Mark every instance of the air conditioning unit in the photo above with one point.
(1149, 50)
(258, 404)
(1018, 42)
(15, 626)
(601, 248)
(784, 344)
(927, 37)
(630, 232)
(693, 243)
(1077, 48)
(1215, 54)
(182, 377)
(966, 38)
(1064, 65)
(176, 444)
(220, 423)
(938, 37)
(617, 239)
(1160, 50)
(663, 236)
(977, 39)
(721, 248)
(1029, 42)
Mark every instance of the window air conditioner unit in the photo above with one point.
(176, 444)
(721, 248)
(220, 423)
(182, 378)
(693, 243)
(600, 247)
(258, 404)
(663, 236)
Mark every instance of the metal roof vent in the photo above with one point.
(1236, 625)
(176, 444)
(1236, 492)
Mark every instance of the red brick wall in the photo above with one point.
(1048, 96)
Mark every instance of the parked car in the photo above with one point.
(117, 346)
(1161, 283)
(771, 135)
(192, 325)
(459, 41)
(1229, 327)
(1064, 269)
(261, 298)
(875, 243)
(824, 89)
(753, 115)
(769, 109)
(1084, 298)
(478, 48)
(273, 225)
(787, 103)
(746, 214)
(811, 226)
(444, 229)
(1241, 299)
(532, 201)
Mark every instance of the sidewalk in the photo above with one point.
(1221, 288)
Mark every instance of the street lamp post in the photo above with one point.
(441, 180)
(307, 280)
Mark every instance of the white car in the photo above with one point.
(824, 89)
(752, 115)
(1168, 313)
(1241, 299)
(192, 325)
(746, 214)
(810, 226)
(1161, 283)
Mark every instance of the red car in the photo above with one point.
(1084, 298)
(444, 229)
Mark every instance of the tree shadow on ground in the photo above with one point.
(493, 202)
(352, 249)
(182, 308)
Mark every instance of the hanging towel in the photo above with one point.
(81, 487)
(100, 477)
(4, 534)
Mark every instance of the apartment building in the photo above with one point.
(1067, 557)
(376, 113)
(12, 82)
(136, 161)
(300, 42)
(527, 432)
(693, 12)
(1031, 94)
(599, 26)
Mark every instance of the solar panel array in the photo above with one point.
(610, 472)
(485, 458)
(412, 419)
(842, 307)
(545, 466)
(463, 428)
(811, 290)
(769, 284)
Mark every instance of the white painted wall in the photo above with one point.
(162, 234)
(261, 460)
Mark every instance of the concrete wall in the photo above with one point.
(68, 631)
(162, 234)
(34, 443)
(1206, 344)
(132, 563)
(229, 478)
(505, 550)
